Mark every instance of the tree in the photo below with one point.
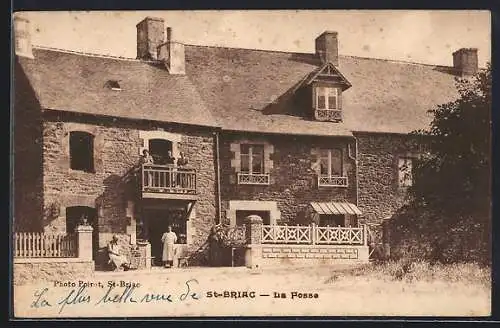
(454, 175)
(450, 203)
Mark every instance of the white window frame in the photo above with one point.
(326, 92)
(250, 177)
(329, 161)
(407, 180)
(250, 159)
(330, 179)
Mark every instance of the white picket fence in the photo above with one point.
(276, 234)
(39, 245)
(338, 235)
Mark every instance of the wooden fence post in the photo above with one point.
(313, 233)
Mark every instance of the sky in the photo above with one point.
(427, 37)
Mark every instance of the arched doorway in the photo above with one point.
(75, 216)
(159, 148)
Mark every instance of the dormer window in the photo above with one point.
(327, 85)
(327, 103)
(327, 98)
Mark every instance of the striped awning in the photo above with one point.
(335, 208)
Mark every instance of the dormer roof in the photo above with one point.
(330, 74)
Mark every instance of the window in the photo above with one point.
(160, 150)
(81, 146)
(405, 171)
(327, 98)
(331, 162)
(252, 159)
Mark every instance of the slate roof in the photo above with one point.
(240, 90)
(77, 83)
(386, 96)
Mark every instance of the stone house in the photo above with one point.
(279, 134)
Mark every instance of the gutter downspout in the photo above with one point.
(355, 159)
(217, 163)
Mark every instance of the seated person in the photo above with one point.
(120, 261)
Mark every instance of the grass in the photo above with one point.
(422, 271)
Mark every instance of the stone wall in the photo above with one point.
(313, 254)
(378, 190)
(117, 147)
(293, 178)
(28, 271)
(27, 155)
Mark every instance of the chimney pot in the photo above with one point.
(465, 61)
(327, 48)
(150, 35)
(22, 37)
(172, 54)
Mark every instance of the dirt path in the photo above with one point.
(318, 291)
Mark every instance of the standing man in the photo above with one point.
(169, 238)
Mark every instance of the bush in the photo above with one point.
(418, 270)
(419, 234)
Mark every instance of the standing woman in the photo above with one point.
(169, 238)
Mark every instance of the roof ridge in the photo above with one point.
(90, 54)
(252, 49)
(311, 53)
(396, 61)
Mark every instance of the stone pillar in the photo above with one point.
(253, 234)
(84, 241)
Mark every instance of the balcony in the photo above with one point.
(253, 178)
(167, 181)
(332, 181)
(332, 115)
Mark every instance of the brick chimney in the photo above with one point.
(327, 47)
(150, 35)
(172, 54)
(22, 37)
(465, 61)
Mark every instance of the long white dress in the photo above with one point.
(168, 239)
